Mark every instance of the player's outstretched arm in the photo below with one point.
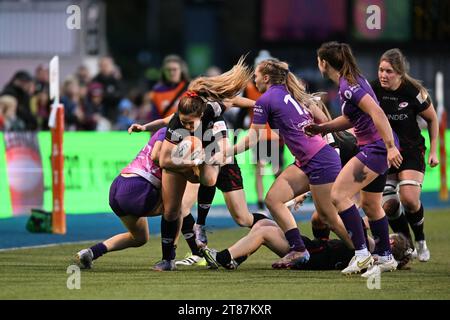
(249, 141)
(338, 124)
(240, 102)
(153, 126)
(297, 202)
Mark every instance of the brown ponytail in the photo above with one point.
(340, 57)
(191, 105)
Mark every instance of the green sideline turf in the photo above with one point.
(41, 274)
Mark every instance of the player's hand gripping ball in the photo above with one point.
(189, 150)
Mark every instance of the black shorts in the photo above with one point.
(230, 178)
(377, 185)
(413, 159)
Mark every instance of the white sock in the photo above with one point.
(362, 253)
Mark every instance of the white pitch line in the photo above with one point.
(47, 245)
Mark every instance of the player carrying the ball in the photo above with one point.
(200, 115)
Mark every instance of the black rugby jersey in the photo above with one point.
(212, 126)
(326, 255)
(401, 108)
(345, 142)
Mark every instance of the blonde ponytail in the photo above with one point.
(224, 86)
(278, 72)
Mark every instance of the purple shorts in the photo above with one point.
(133, 196)
(324, 167)
(374, 156)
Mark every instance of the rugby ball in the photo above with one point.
(189, 149)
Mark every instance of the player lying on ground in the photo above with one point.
(324, 254)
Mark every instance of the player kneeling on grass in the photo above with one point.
(134, 195)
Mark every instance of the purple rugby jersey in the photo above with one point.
(351, 95)
(143, 165)
(282, 112)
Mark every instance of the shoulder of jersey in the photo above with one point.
(413, 92)
(216, 107)
(175, 117)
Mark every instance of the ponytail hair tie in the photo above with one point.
(190, 94)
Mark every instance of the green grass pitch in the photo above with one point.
(40, 273)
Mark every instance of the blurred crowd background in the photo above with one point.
(127, 60)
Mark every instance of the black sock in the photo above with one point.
(187, 229)
(204, 199)
(241, 259)
(260, 205)
(321, 233)
(223, 257)
(399, 224)
(416, 221)
(168, 233)
(257, 217)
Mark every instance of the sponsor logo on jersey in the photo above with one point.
(175, 133)
(258, 109)
(348, 94)
(420, 98)
(302, 124)
(402, 105)
(398, 117)
(219, 126)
